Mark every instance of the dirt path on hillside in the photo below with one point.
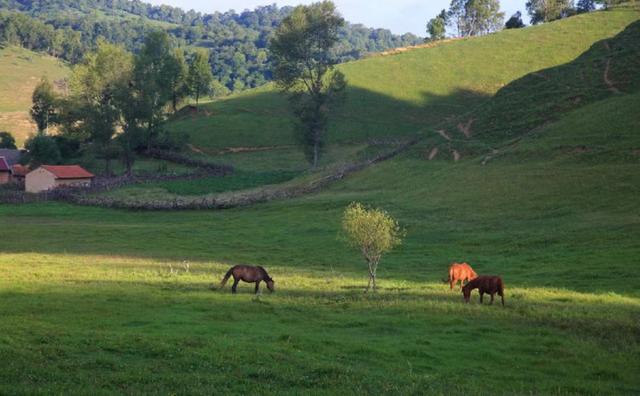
(607, 69)
(456, 156)
(194, 149)
(466, 128)
(444, 134)
(607, 80)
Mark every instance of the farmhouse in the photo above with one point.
(5, 171)
(48, 177)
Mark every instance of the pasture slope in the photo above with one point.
(21, 70)
(103, 301)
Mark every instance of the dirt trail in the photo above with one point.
(444, 134)
(607, 80)
(607, 69)
(466, 128)
(400, 50)
(456, 156)
(194, 149)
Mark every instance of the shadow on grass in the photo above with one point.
(264, 118)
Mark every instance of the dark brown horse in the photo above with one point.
(249, 274)
(460, 272)
(484, 284)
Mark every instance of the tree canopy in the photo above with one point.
(238, 41)
(437, 27)
(475, 17)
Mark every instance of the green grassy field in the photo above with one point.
(102, 297)
(20, 72)
(107, 301)
(89, 298)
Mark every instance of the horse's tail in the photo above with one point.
(226, 277)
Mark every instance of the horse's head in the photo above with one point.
(271, 285)
(466, 293)
(473, 275)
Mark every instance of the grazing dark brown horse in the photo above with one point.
(460, 272)
(484, 284)
(249, 274)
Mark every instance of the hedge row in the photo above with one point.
(225, 201)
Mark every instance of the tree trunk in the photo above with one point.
(174, 102)
(129, 165)
(371, 278)
(374, 271)
(316, 149)
(149, 129)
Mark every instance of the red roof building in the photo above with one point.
(68, 171)
(48, 177)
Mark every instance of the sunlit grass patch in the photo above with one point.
(115, 320)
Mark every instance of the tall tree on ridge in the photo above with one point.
(200, 76)
(304, 68)
(437, 27)
(475, 17)
(548, 10)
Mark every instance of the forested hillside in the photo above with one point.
(239, 58)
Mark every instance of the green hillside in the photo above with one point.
(414, 92)
(119, 301)
(21, 70)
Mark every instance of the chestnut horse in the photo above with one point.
(460, 272)
(249, 274)
(484, 284)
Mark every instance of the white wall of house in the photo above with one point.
(39, 180)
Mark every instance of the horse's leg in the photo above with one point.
(491, 303)
(502, 298)
(235, 285)
(481, 296)
(257, 287)
(452, 283)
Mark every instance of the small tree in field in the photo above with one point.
(372, 231)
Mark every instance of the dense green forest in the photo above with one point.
(237, 41)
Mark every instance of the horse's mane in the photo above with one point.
(264, 272)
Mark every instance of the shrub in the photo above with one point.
(373, 232)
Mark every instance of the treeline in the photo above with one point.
(237, 42)
(466, 18)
